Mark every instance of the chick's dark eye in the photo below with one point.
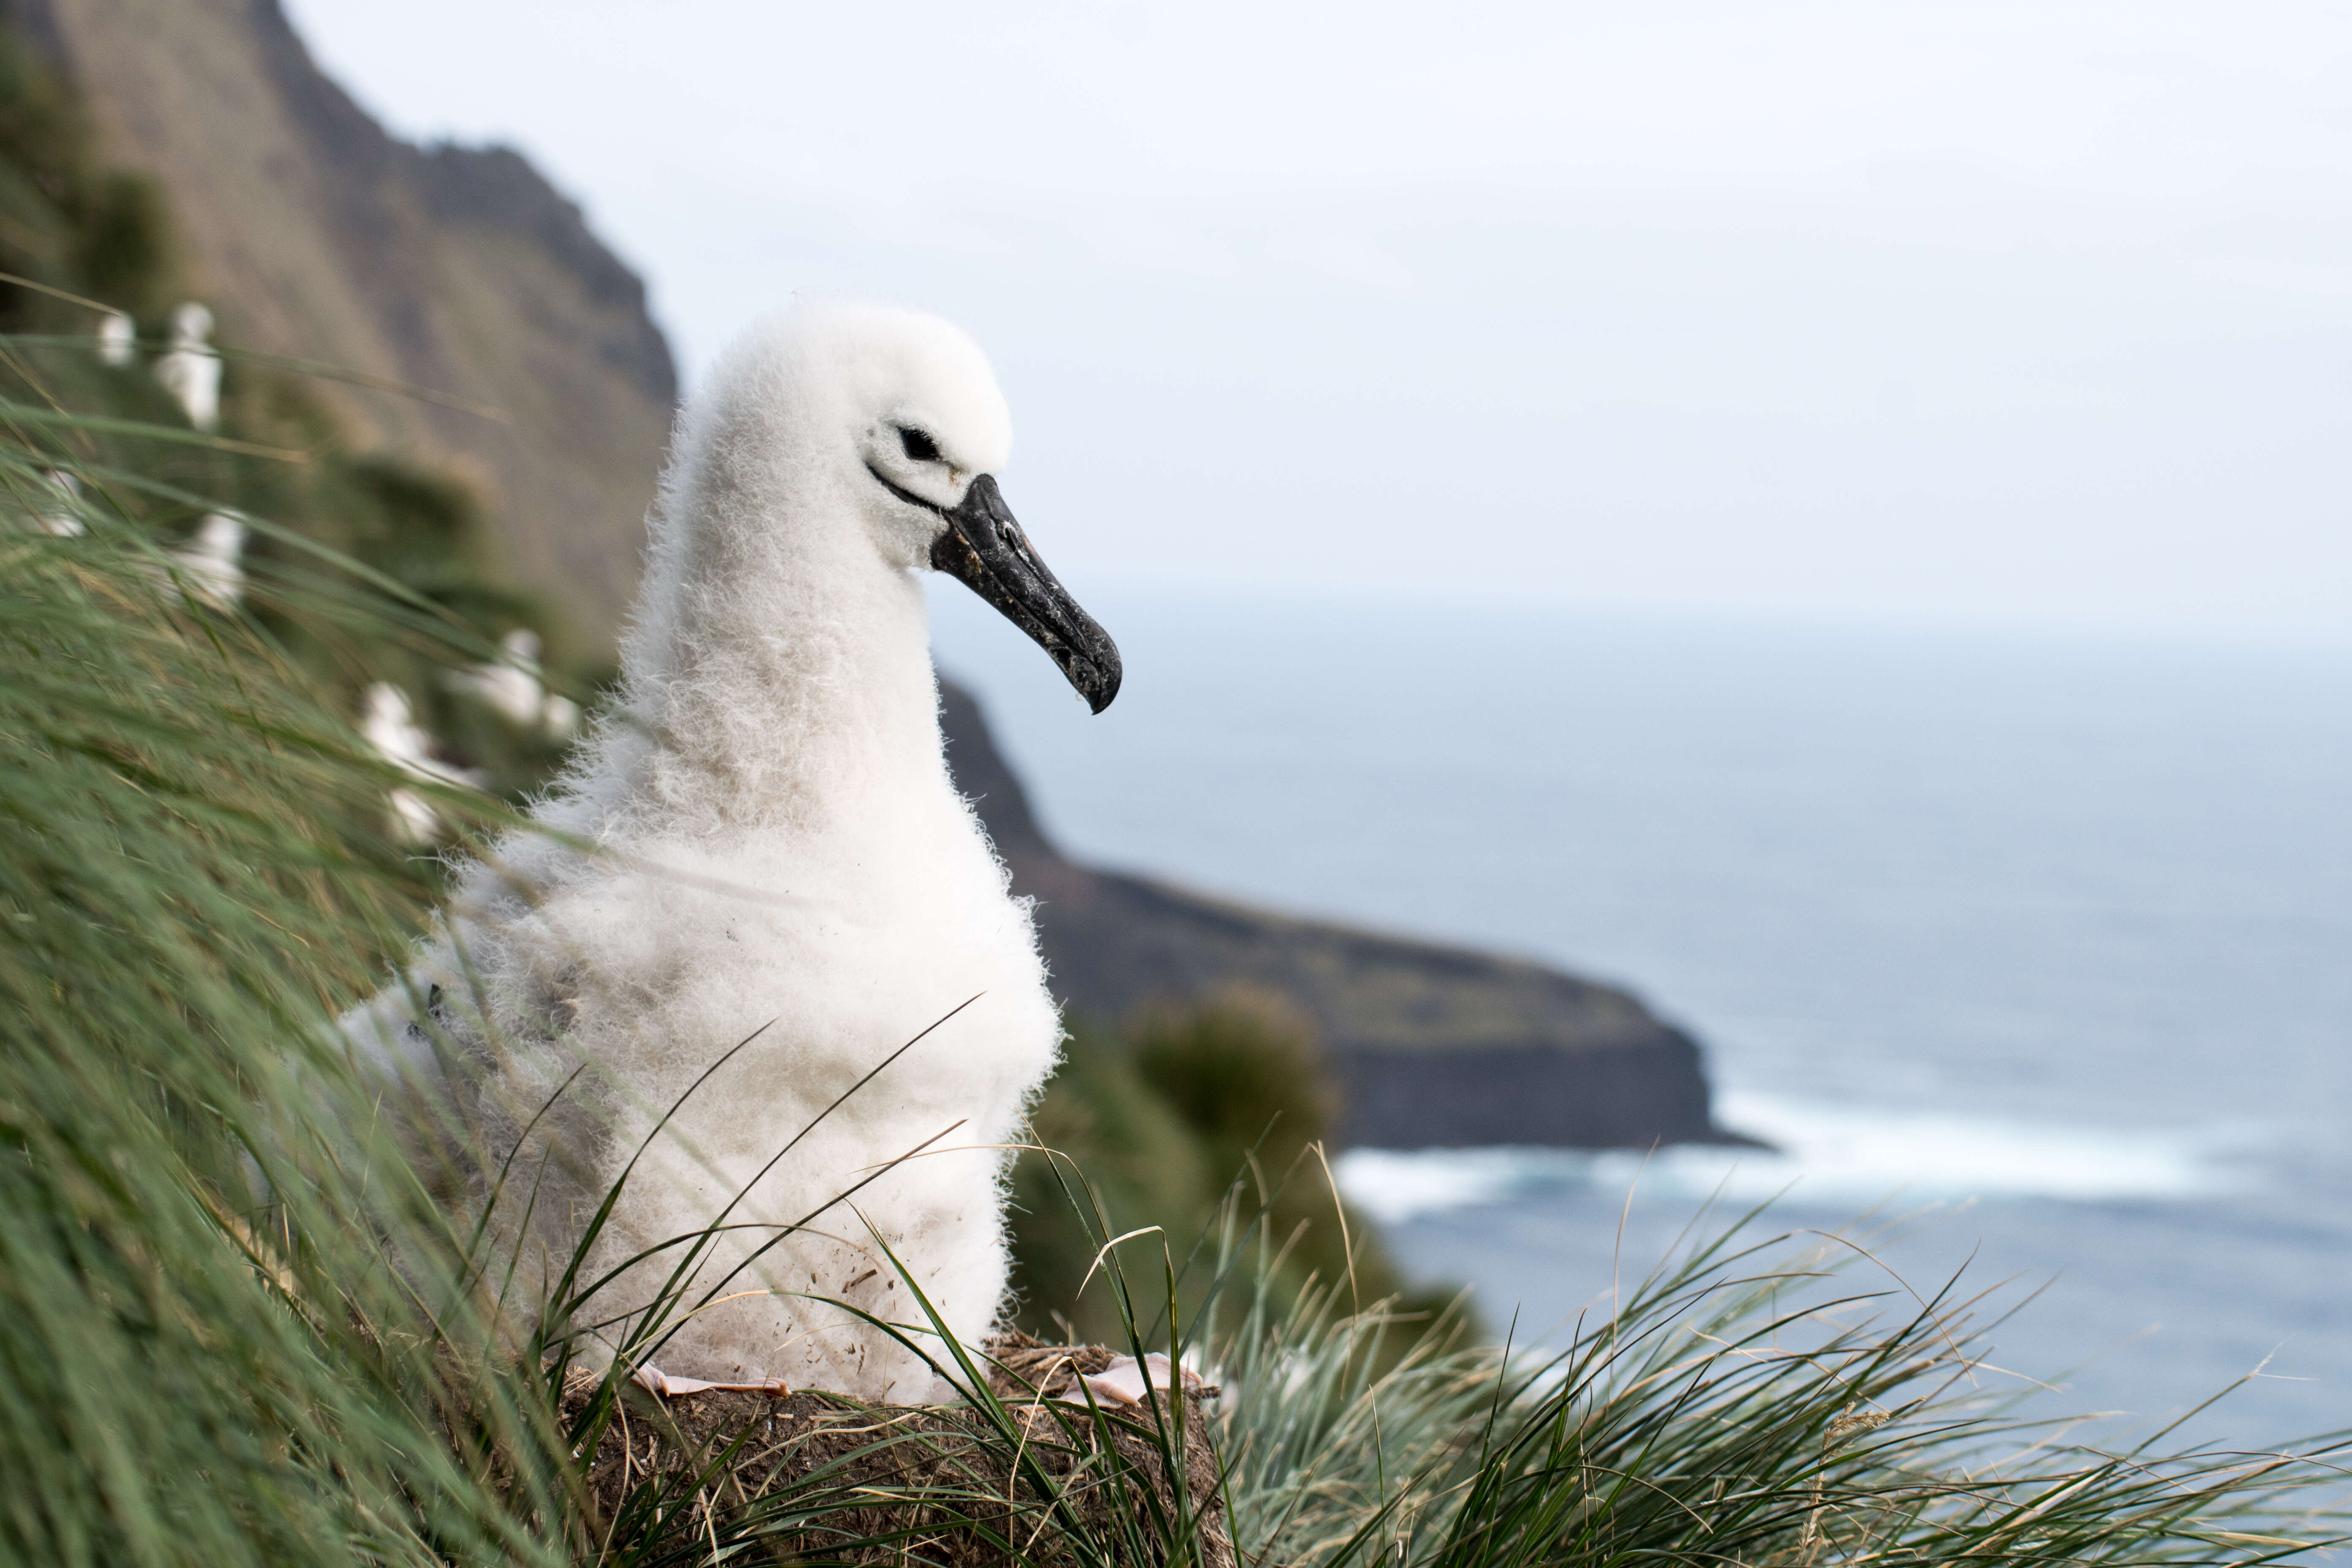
(919, 447)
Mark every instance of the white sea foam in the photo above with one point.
(1823, 1153)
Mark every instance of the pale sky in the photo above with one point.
(1980, 312)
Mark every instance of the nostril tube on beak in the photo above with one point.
(982, 547)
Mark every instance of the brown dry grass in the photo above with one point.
(816, 1477)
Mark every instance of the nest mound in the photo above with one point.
(1046, 1476)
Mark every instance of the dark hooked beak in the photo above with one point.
(985, 550)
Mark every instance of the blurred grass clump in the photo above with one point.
(1169, 1118)
(206, 1355)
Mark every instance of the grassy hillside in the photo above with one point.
(312, 234)
(75, 231)
(194, 873)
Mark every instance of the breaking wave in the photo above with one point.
(1820, 1154)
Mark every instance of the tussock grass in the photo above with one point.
(206, 1356)
(1747, 1403)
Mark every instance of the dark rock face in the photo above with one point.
(495, 188)
(1602, 1099)
(1434, 1046)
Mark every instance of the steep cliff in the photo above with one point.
(1434, 1046)
(313, 233)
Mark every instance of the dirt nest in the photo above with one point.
(814, 1477)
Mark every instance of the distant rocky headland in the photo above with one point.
(1434, 1047)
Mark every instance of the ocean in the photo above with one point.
(2032, 956)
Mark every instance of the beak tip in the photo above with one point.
(1097, 680)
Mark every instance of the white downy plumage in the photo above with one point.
(785, 861)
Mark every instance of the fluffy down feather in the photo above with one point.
(779, 851)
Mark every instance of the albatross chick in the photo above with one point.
(778, 856)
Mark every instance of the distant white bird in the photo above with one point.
(214, 560)
(118, 336)
(63, 517)
(513, 689)
(558, 717)
(190, 369)
(784, 861)
(387, 721)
